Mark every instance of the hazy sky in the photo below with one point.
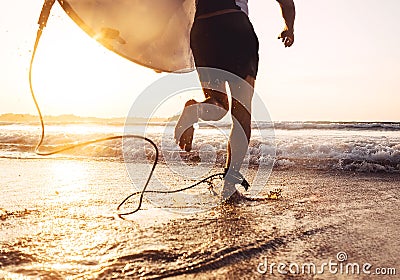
(344, 65)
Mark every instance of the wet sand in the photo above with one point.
(320, 215)
(69, 228)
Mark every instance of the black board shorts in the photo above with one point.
(226, 42)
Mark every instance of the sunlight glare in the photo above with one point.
(71, 179)
(75, 74)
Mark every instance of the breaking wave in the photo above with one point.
(364, 147)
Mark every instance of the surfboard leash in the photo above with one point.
(44, 15)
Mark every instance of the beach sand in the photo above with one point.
(60, 225)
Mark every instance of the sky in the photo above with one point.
(344, 65)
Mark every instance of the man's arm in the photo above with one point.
(289, 14)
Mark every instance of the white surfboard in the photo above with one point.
(152, 33)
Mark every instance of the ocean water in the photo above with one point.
(355, 146)
(58, 217)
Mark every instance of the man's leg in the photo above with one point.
(242, 95)
(213, 108)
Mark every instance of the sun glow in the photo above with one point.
(71, 179)
(74, 74)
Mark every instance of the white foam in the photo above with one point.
(369, 150)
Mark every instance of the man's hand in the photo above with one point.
(289, 14)
(287, 38)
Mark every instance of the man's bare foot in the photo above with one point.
(184, 127)
(185, 141)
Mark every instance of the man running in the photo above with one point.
(222, 37)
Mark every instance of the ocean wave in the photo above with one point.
(64, 120)
(391, 126)
(315, 125)
(355, 152)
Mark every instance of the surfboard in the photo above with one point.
(152, 33)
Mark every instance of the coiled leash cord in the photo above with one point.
(44, 15)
